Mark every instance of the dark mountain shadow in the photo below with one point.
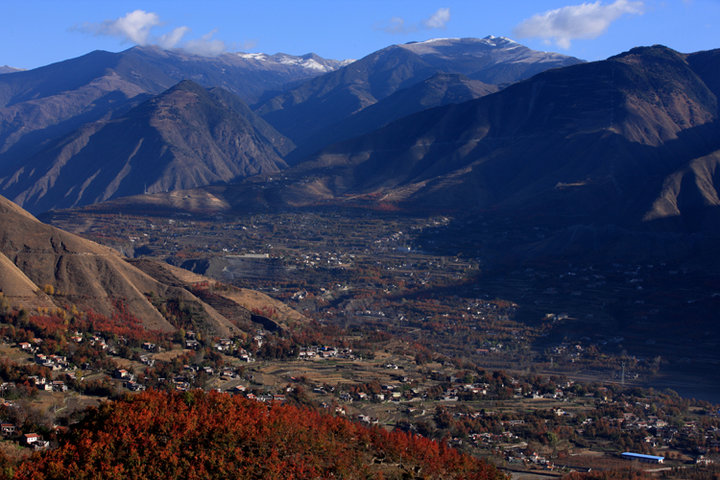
(108, 106)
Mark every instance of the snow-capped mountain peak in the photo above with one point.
(309, 61)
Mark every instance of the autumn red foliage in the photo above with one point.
(199, 435)
(121, 323)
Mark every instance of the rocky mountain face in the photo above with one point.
(44, 267)
(183, 138)
(492, 60)
(313, 106)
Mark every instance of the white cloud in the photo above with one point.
(134, 27)
(170, 40)
(588, 20)
(205, 45)
(438, 19)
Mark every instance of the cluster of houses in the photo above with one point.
(48, 385)
(191, 341)
(230, 347)
(660, 433)
(397, 393)
(259, 397)
(324, 352)
(53, 362)
(331, 260)
(93, 340)
(128, 379)
(518, 457)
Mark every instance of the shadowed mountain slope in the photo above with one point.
(438, 90)
(183, 138)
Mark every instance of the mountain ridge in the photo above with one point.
(318, 103)
(42, 104)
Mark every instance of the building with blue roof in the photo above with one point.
(642, 457)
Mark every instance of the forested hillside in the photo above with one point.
(197, 435)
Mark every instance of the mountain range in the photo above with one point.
(630, 141)
(40, 105)
(58, 120)
(315, 105)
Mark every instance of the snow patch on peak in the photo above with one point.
(435, 40)
(498, 40)
(309, 61)
(306, 61)
(253, 56)
(436, 45)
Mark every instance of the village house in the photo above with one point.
(223, 345)
(59, 386)
(147, 360)
(7, 428)
(41, 444)
(135, 387)
(641, 457)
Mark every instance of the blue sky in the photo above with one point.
(38, 32)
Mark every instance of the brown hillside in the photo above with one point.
(18, 288)
(225, 297)
(37, 257)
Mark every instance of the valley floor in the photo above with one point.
(532, 366)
